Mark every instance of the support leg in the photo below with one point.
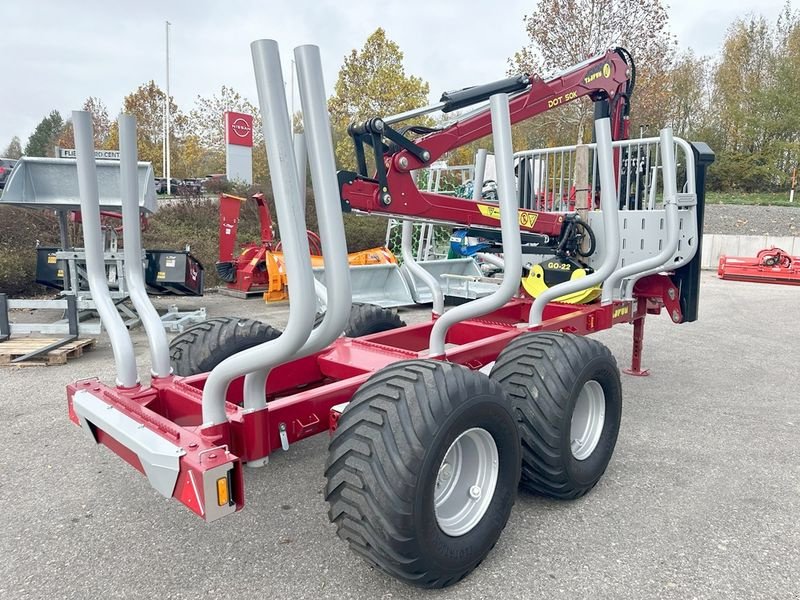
(636, 356)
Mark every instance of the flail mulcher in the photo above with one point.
(434, 425)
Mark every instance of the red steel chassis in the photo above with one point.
(302, 393)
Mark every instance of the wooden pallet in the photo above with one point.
(16, 347)
(255, 291)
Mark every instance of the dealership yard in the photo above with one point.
(701, 499)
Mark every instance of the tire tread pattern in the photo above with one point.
(537, 372)
(366, 319)
(376, 454)
(203, 346)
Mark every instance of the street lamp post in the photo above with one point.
(166, 121)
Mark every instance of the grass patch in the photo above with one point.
(752, 199)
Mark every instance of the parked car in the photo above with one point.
(6, 165)
(161, 185)
(214, 183)
(191, 187)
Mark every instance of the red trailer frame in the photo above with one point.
(303, 393)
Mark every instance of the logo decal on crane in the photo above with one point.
(526, 218)
(597, 73)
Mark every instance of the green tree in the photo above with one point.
(372, 82)
(756, 125)
(101, 122)
(13, 150)
(565, 33)
(689, 94)
(785, 129)
(43, 139)
(146, 103)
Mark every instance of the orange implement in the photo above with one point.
(276, 270)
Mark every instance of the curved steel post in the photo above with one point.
(300, 155)
(659, 261)
(413, 266)
(338, 296)
(480, 173)
(257, 361)
(491, 259)
(691, 215)
(610, 208)
(132, 239)
(121, 344)
(509, 227)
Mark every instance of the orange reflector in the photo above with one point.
(223, 496)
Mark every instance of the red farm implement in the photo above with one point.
(433, 425)
(770, 265)
(255, 269)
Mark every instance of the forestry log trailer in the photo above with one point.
(434, 425)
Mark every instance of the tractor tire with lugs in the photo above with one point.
(203, 346)
(366, 319)
(566, 392)
(423, 469)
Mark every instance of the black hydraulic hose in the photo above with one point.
(592, 240)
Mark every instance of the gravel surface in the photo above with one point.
(734, 219)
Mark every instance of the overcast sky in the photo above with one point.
(54, 54)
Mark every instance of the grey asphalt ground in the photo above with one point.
(701, 499)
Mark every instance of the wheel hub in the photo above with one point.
(466, 481)
(588, 418)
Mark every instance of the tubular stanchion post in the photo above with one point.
(610, 208)
(415, 268)
(338, 297)
(509, 227)
(658, 262)
(266, 52)
(669, 177)
(258, 360)
(121, 344)
(491, 259)
(132, 240)
(301, 156)
(636, 354)
(63, 234)
(480, 173)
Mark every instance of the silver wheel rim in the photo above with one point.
(588, 418)
(465, 482)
